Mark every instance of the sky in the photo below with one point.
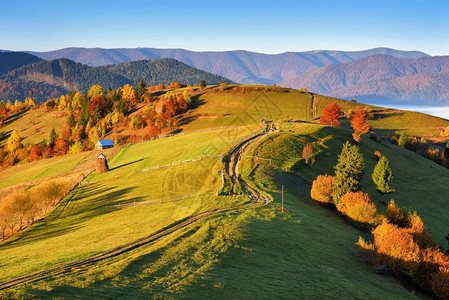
(260, 26)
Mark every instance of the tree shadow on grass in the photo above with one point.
(70, 213)
(14, 117)
(124, 165)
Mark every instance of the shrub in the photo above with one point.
(359, 207)
(322, 188)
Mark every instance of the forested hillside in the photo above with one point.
(50, 79)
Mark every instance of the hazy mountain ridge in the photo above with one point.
(421, 80)
(240, 66)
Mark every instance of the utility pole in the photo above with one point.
(282, 198)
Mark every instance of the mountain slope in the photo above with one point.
(48, 79)
(13, 60)
(240, 66)
(422, 80)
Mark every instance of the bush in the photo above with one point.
(359, 207)
(322, 188)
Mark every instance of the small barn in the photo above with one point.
(101, 164)
(104, 144)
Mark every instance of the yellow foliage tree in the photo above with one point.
(95, 90)
(128, 93)
(14, 142)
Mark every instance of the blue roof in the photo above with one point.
(106, 142)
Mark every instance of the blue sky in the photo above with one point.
(262, 26)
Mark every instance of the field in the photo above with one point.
(253, 252)
(74, 228)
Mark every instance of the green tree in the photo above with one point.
(71, 121)
(382, 177)
(203, 84)
(348, 171)
(51, 137)
(141, 89)
(403, 140)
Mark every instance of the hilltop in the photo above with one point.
(422, 80)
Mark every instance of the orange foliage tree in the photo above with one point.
(359, 207)
(358, 123)
(35, 152)
(330, 115)
(154, 131)
(322, 188)
(397, 247)
(307, 152)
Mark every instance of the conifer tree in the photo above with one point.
(382, 177)
(141, 88)
(51, 137)
(348, 171)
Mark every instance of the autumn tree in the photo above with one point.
(128, 93)
(35, 153)
(359, 207)
(382, 177)
(397, 248)
(358, 123)
(322, 188)
(154, 131)
(348, 171)
(330, 115)
(14, 142)
(307, 152)
(202, 84)
(95, 90)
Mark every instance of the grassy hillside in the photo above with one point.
(306, 253)
(33, 125)
(82, 224)
(419, 182)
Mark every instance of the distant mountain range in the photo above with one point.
(376, 75)
(240, 66)
(381, 78)
(46, 79)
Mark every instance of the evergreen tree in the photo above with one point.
(51, 137)
(71, 121)
(97, 115)
(348, 171)
(203, 84)
(141, 89)
(382, 177)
